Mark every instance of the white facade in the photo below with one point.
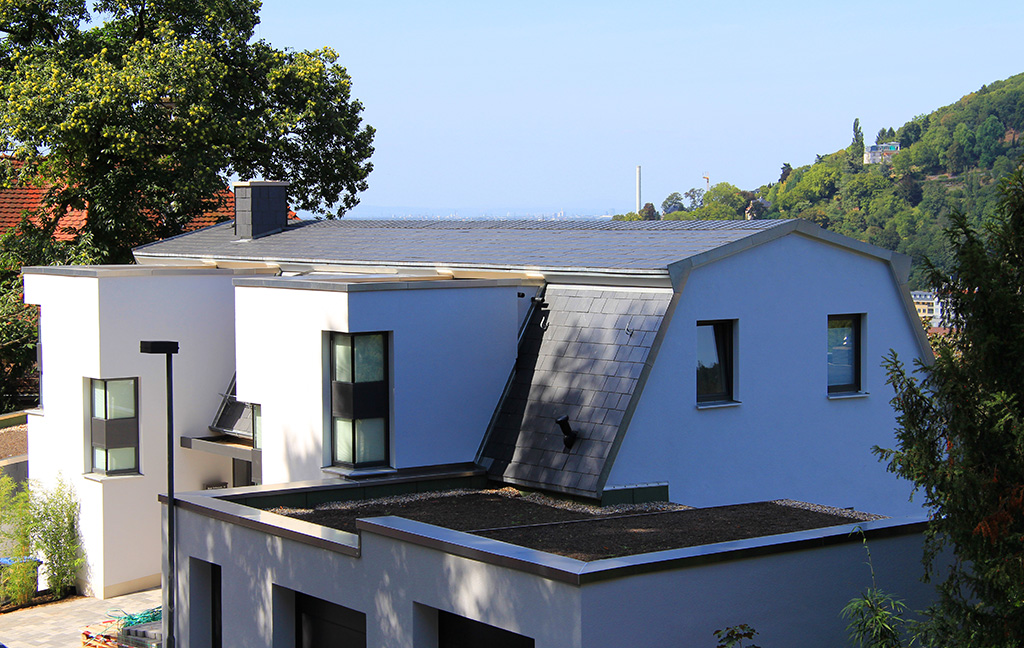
(784, 436)
(399, 574)
(91, 323)
(451, 348)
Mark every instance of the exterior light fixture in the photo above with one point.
(168, 349)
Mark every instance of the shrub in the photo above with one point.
(18, 582)
(56, 536)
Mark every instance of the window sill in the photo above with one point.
(718, 405)
(96, 477)
(848, 395)
(342, 471)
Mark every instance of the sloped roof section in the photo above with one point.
(561, 245)
(581, 356)
(21, 199)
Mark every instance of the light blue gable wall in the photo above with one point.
(451, 354)
(786, 439)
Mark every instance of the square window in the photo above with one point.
(844, 353)
(714, 361)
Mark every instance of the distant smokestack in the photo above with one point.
(638, 188)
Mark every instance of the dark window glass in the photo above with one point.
(454, 631)
(714, 361)
(843, 353)
(114, 427)
(360, 403)
(322, 624)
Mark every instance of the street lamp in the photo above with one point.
(168, 349)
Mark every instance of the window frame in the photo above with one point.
(724, 332)
(104, 429)
(355, 401)
(857, 385)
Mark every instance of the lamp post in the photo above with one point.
(168, 349)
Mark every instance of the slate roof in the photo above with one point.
(581, 356)
(580, 245)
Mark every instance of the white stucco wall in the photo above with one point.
(792, 599)
(91, 328)
(786, 439)
(391, 581)
(792, 594)
(451, 351)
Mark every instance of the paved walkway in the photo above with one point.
(59, 625)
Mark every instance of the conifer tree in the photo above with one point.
(960, 435)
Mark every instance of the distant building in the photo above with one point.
(880, 152)
(928, 307)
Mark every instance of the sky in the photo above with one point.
(528, 108)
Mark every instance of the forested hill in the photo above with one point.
(949, 159)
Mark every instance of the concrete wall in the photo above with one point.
(452, 349)
(790, 588)
(399, 586)
(792, 599)
(91, 328)
(786, 438)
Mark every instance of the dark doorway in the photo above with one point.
(454, 631)
(241, 473)
(321, 624)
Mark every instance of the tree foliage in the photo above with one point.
(27, 244)
(960, 435)
(143, 118)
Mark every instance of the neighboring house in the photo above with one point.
(876, 153)
(928, 306)
(17, 201)
(712, 362)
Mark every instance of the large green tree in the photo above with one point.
(142, 118)
(960, 435)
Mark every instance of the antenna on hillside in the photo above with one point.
(707, 179)
(637, 189)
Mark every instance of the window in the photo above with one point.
(359, 399)
(115, 426)
(714, 361)
(844, 346)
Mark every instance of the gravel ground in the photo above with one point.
(582, 531)
(13, 441)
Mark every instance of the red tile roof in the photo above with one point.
(16, 201)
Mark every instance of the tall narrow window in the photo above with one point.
(359, 399)
(844, 351)
(714, 361)
(114, 426)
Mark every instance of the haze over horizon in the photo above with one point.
(538, 108)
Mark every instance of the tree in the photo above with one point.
(786, 170)
(960, 435)
(673, 203)
(142, 119)
(696, 197)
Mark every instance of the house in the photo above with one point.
(709, 362)
(877, 153)
(928, 306)
(19, 200)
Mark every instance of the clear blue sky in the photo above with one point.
(530, 108)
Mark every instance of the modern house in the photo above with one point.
(877, 153)
(709, 362)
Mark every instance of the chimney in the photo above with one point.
(261, 208)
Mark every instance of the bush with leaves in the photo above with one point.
(960, 435)
(56, 536)
(733, 636)
(875, 620)
(18, 579)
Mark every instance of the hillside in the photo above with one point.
(949, 159)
